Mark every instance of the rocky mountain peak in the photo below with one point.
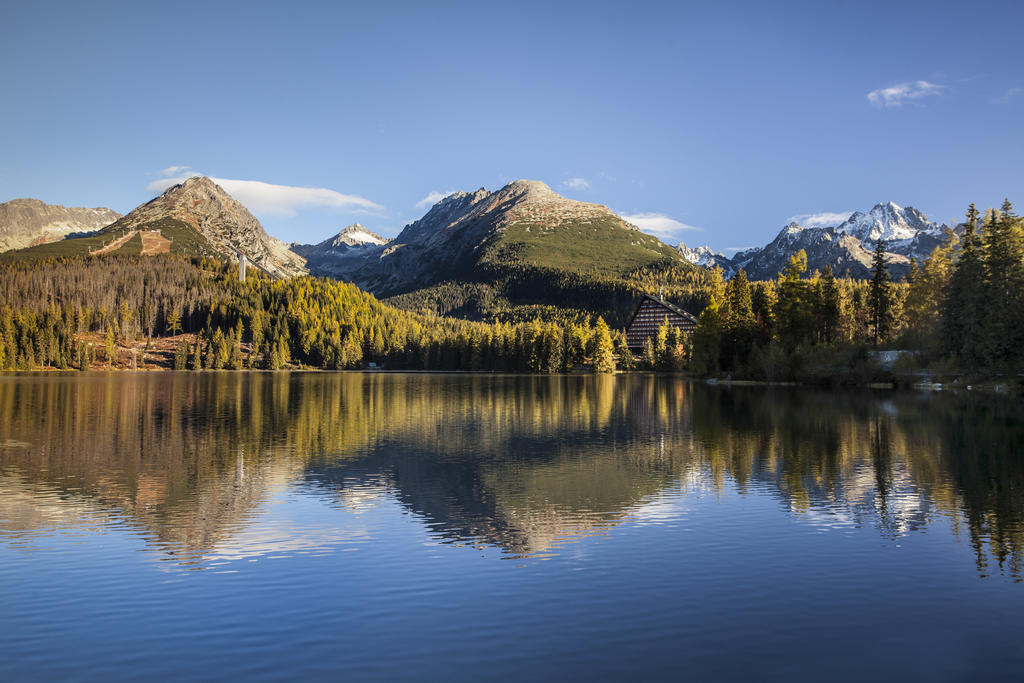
(532, 202)
(529, 189)
(222, 220)
(703, 256)
(888, 222)
(357, 235)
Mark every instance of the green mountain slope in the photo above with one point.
(519, 252)
(183, 239)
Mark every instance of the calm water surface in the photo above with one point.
(347, 526)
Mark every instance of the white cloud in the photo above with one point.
(576, 184)
(432, 198)
(659, 225)
(901, 93)
(825, 219)
(174, 171)
(279, 200)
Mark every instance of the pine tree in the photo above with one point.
(880, 295)
(174, 321)
(707, 342)
(197, 354)
(1003, 255)
(794, 315)
(110, 346)
(963, 306)
(648, 361)
(626, 360)
(181, 356)
(604, 352)
(661, 355)
(828, 301)
(740, 323)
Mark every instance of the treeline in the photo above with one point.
(329, 324)
(49, 307)
(963, 306)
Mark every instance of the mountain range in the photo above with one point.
(483, 238)
(847, 248)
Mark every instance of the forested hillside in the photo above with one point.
(83, 312)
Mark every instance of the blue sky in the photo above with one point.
(729, 118)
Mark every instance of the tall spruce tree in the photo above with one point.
(828, 306)
(1003, 254)
(963, 307)
(604, 352)
(794, 315)
(740, 323)
(880, 295)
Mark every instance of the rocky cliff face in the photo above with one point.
(221, 220)
(28, 222)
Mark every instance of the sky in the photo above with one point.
(709, 123)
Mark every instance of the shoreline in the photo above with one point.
(1003, 386)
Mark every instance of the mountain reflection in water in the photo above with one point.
(526, 464)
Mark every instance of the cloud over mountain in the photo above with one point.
(659, 225)
(821, 220)
(268, 198)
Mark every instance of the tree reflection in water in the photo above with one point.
(522, 463)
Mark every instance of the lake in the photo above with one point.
(467, 527)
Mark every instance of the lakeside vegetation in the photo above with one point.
(960, 311)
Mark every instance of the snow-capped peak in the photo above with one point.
(700, 256)
(356, 235)
(888, 222)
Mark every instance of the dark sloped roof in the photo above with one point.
(661, 302)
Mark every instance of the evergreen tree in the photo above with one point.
(174, 321)
(963, 307)
(181, 356)
(794, 312)
(1003, 253)
(740, 323)
(626, 360)
(197, 354)
(648, 361)
(604, 352)
(707, 342)
(880, 295)
(829, 304)
(661, 353)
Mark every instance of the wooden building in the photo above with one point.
(649, 316)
